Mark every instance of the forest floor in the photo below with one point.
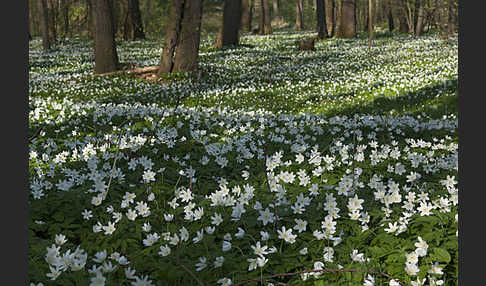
(269, 163)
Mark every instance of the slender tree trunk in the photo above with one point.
(65, 15)
(106, 57)
(389, 14)
(187, 49)
(52, 21)
(245, 16)
(452, 18)
(347, 27)
(136, 20)
(46, 43)
(231, 23)
(261, 17)
(370, 23)
(171, 37)
(299, 18)
(330, 20)
(276, 11)
(267, 23)
(321, 19)
(402, 17)
(420, 18)
(90, 16)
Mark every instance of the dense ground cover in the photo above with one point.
(275, 161)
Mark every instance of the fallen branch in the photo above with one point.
(192, 274)
(312, 271)
(149, 69)
(36, 134)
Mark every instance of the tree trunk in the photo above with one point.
(135, 20)
(299, 19)
(267, 23)
(231, 23)
(347, 27)
(370, 23)
(389, 14)
(52, 21)
(65, 14)
(452, 18)
(245, 16)
(261, 17)
(402, 17)
(46, 44)
(276, 11)
(330, 19)
(420, 19)
(321, 19)
(171, 37)
(187, 49)
(90, 17)
(106, 57)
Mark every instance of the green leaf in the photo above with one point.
(440, 255)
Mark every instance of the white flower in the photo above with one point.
(226, 245)
(411, 269)
(98, 280)
(225, 281)
(202, 264)
(60, 239)
(355, 256)
(286, 234)
(303, 251)
(218, 261)
(301, 225)
(259, 250)
(164, 250)
(240, 233)
(100, 256)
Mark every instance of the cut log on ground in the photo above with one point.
(150, 69)
(307, 44)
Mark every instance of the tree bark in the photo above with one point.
(187, 49)
(321, 19)
(299, 19)
(276, 11)
(171, 37)
(65, 14)
(267, 23)
(347, 27)
(402, 17)
(261, 17)
(106, 57)
(420, 18)
(370, 23)
(46, 44)
(52, 21)
(245, 16)
(330, 19)
(451, 27)
(135, 20)
(389, 14)
(231, 23)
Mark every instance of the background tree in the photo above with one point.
(181, 50)
(299, 17)
(44, 23)
(267, 23)
(389, 15)
(330, 17)
(231, 24)
(135, 20)
(276, 12)
(347, 27)
(246, 15)
(420, 18)
(106, 57)
(370, 23)
(321, 19)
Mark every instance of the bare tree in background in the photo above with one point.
(181, 50)
(347, 26)
(246, 15)
(106, 57)
(135, 20)
(231, 24)
(267, 22)
(299, 17)
(330, 18)
(370, 23)
(321, 19)
(46, 44)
